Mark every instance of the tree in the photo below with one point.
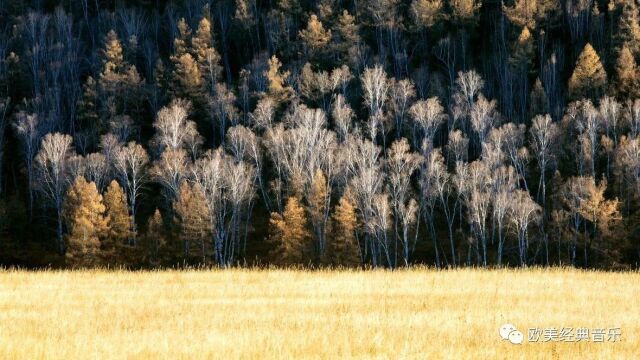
(343, 248)
(627, 83)
(522, 212)
(628, 34)
(544, 137)
(589, 76)
(277, 89)
(401, 164)
(119, 227)
(27, 129)
(315, 36)
(193, 219)
(52, 163)
(289, 235)
(84, 214)
(88, 116)
(130, 163)
(465, 11)
(119, 80)
(427, 13)
(206, 55)
(155, 239)
(318, 200)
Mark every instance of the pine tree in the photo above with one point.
(87, 224)
(119, 80)
(343, 247)
(315, 36)
(629, 27)
(347, 38)
(289, 235)
(206, 55)
(589, 76)
(627, 85)
(538, 99)
(277, 89)
(117, 209)
(523, 50)
(88, 119)
(155, 240)
(427, 13)
(192, 217)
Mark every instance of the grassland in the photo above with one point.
(266, 314)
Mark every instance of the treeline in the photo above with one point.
(326, 132)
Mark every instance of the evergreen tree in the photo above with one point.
(627, 84)
(628, 33)
(206, 55)
(117, 209)
(277, 89)
(192, 217)
(426, 13)
(589, 76)
(343, 247)
(88, 119)
(87, 224)
(119, 81)
(155, 240)
(315, 36)
(289, 235)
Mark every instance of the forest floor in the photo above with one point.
(289, 314)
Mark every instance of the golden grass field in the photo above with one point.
(289, 314)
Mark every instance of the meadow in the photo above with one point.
(417, 313)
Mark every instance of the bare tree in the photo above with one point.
(170, 170)
(263, 115)
(523, 211)
(544, 137)
(97, 169)
(427, 115)
(27, 129)
(401, 164)
(172, 126)
(375, 86)
(342, 116)
(52, 164)
(130, 163)
(402, 94)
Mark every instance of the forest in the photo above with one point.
(351, 133)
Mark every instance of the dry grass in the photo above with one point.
(265, 314)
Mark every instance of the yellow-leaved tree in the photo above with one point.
(589, 77)
(289, 234)
(87, 224)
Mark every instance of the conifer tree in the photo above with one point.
(117, 210)
(88, 119)
(155, 240)
(315, 36)
(277, 89)
(627, 85)
(628, 33)
(206, 55)
(426, 13)
(289, 235)
(119, 80)
(347, 37)
(192, 217)
(87, 224)
(343, 247)
(589, 76)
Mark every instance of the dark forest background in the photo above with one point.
(327, 132)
